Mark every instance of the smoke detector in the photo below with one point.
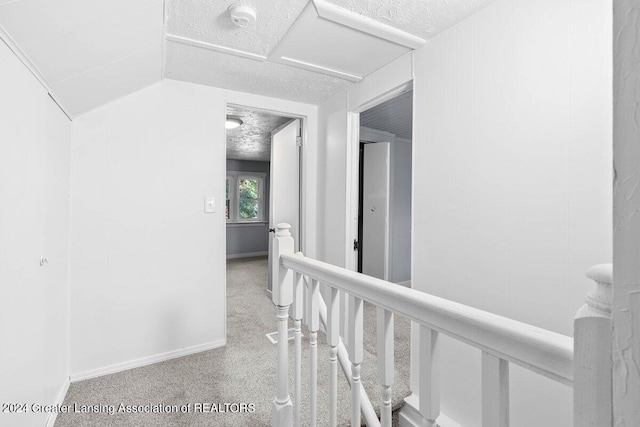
(242, 15)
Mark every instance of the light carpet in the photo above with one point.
(242, 372)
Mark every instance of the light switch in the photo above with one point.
(209, 204)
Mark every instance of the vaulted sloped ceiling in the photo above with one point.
(90, 52)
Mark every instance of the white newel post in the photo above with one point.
(592, 386)
(282, 296)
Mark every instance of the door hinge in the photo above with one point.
(298, 141)
(355, 245)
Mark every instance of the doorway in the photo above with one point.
(384, 190)
(262, 179)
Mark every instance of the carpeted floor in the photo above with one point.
(243, 372)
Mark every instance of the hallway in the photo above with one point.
(242, 372)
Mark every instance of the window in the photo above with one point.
(245, 197)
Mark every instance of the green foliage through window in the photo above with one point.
(244, 197)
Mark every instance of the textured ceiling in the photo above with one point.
(207, 67)
(90, 52)
(216, 62)
(252, 140)
(208, 21)
(393, 116)
(422, 18)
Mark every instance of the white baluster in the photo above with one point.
(385, 363)
(282, 296)
(355, 354)
(429, 385)
(333, 338)
(592, 378)
(314, 325)
(495, 391)
(298, 309)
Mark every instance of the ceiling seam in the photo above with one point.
(35, 72)
(146, 48)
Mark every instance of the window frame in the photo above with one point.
(234, 178)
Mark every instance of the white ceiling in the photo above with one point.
(90, 52)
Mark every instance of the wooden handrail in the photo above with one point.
(544, 352)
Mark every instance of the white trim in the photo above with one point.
(353, 167)
(382, 85)
(318, 69)
(59, 400)
(387, 216)
(366, 25)
(144, 361)
(210, 46)
(397, 91)
(247, 255)
(352, 194)
(308, 114)
(406, 284)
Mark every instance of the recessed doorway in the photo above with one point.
(262, 179)
(385, 181)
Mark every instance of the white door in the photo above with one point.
(374, 242)
(284, 193)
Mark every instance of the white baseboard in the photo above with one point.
(59, 400)
(119, 367)
(410, 416)
(247, 255)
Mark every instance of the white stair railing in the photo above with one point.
(369, 414)
(501, 340)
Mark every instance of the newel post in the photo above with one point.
(282, 296)
(592, 390)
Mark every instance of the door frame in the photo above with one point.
(308, 114)
(353, 171)
(304, 177)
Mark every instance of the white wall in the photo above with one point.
(332, 175)
(34, 222)
(148, 265)
(512, 178)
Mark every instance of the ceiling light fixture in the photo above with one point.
(232, 123)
